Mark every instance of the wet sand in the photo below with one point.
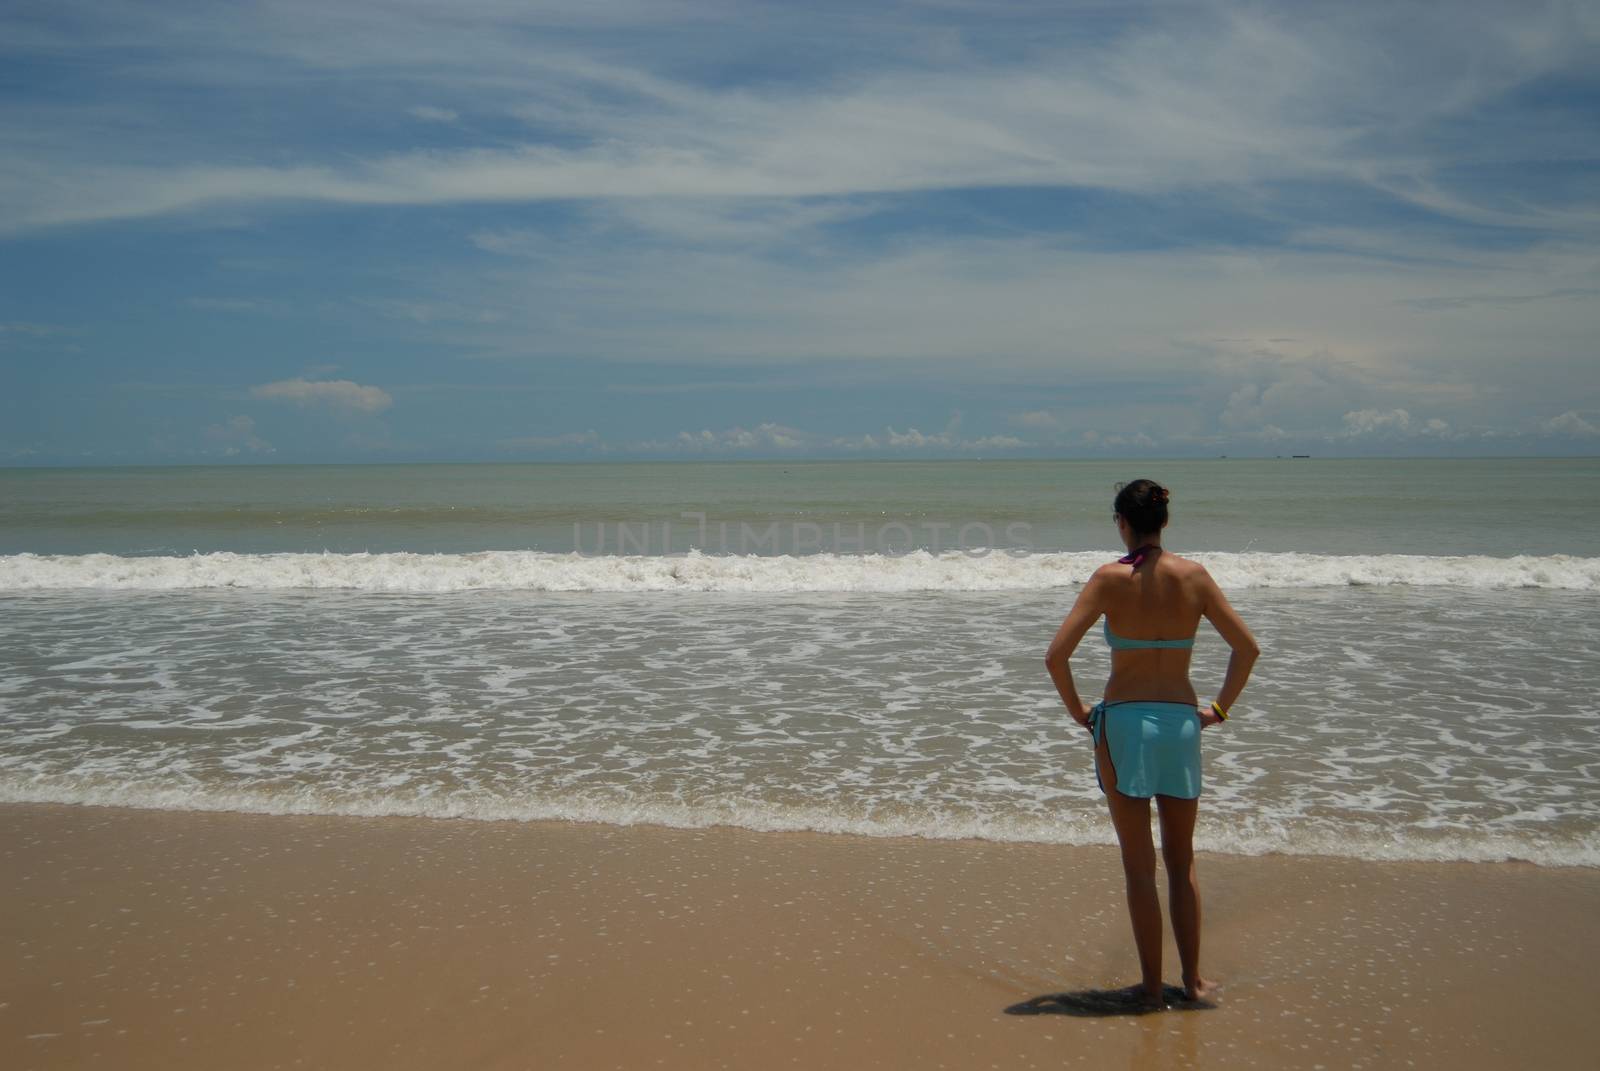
(147, 939)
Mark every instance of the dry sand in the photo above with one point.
(146, 939)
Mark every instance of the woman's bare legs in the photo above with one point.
(1177, 818)
(1130, 816)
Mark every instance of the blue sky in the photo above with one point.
(405, 230)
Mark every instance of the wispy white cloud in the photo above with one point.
(428, 113)
(22, 328)
(1256, 345)
(340, 394)
(1254, 339)
(1463, 301)
(25, 336)
(219, 304)
(703, 386)
(1205, 97)
(564, 440)
(1036, 418)
(236, 436)
(744, 221)
(428, 312)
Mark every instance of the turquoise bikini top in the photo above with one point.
(1123, 643)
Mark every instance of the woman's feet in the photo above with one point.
(1144, 996)
(1154, 998)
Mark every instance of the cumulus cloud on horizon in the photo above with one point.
(1393, 422)
(332, 393)
(1569, 423)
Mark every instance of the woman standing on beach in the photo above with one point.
(1147, 727)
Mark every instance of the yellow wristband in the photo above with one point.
(1216, 708)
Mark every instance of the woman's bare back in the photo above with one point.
(1162, 599)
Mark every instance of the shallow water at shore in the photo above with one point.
(1384, 723)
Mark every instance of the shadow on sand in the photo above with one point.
(1089, 1003)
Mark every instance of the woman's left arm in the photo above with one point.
(1084, 613)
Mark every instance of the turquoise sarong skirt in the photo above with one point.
(1154, 746)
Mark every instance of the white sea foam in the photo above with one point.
(1435, 723)
(916, 571)
(1077, 829)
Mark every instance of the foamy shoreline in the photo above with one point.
(996, 569)
(1214, 835)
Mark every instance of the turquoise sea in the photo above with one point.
(839, 646)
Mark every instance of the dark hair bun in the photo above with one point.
(1143, 504)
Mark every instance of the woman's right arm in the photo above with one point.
(1226, 620)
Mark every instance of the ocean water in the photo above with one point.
(844, 647)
